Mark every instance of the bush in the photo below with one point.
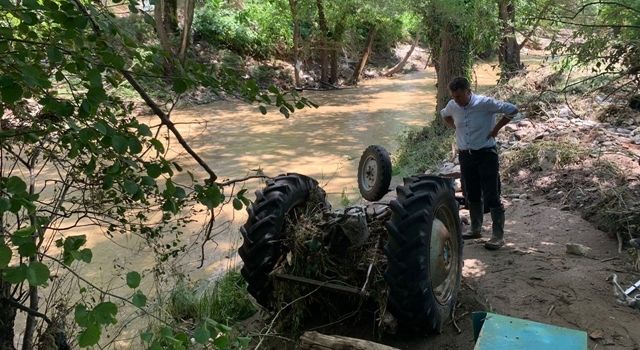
(259, 30)
(422, 150)
(225, 301)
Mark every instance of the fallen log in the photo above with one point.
(317, 341)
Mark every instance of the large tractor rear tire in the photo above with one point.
(264, 231)
(424, 253)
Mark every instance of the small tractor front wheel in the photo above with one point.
(424, 253)
(374, 173)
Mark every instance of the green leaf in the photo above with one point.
(153, 170)
(273, 89)
(202, 335)
(243, 341)
(146, 337)
(37, 273)
(105, 312)
(89, 336)
(263, 109)
(15, 274)
(5, 256)
(180, 193)
(23, 236)
(158, 145)
(15, 185)
(222, 342)
(135, 147)
(144, 130)
(107, 182)
(170, 206)
(179, 85)
(54, 55)
(5, 205)
(139, 299)
(237, 204)
(284, 111)
(130, 187)
(82, 316)
(84, 255)
(10, 90)
(28, 249)
(119, 143)
(133, 279)
(101, 127)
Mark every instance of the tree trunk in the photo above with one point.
(402, 63)
(171, 16)
(365, 56)
(454, 61)
(509, 53)
(293, 5)
(338, 35)
(30, 325)
(189, 6)
(163, 35)
(317, 341)
(324, 29)
(7, 317)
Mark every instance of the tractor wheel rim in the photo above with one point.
(443, 256)
(369, 173)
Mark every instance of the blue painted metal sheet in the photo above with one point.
(498, 332)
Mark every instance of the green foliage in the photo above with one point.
(260, 29)
(608, 27)
(206, 310)
(423, 150)
(225, 301)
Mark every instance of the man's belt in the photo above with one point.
(491, 149)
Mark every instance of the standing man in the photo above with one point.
(473, 118)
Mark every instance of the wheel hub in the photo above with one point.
(442, 261)
(369, 173)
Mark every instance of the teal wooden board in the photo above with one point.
(498, 332)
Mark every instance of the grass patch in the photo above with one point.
(541, 155)
(422, 150)
(225, 301)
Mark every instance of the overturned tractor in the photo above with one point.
(405, 253)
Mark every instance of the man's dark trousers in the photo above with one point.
(481, 177)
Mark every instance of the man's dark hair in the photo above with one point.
(459, 83)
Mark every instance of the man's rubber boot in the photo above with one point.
(497, 236)
(475, 211)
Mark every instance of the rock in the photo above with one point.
(525, 124)
(565, 112)
(577, 249)
(548, 159)
(458, 185)
(623, 131)
(449, 170)
(521, 134)
(635, 132)
(511, 127)
(347, 157)
(524, 196)
(596, 334)
(636, 140)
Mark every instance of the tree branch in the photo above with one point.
(164, 118)
(26, 309)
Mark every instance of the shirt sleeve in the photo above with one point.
(497, 106)
(446, 111)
